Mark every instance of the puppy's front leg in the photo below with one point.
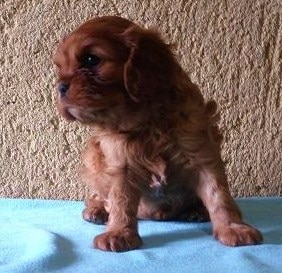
(228, 226)
(122, 205)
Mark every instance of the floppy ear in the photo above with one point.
(149, 69)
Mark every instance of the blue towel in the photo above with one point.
(50, 236)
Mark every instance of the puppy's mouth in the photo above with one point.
(82, 115)
(72, 113)
(69, 113)
(76, 114)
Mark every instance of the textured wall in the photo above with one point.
(231, 48)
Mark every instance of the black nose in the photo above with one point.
(63, 88)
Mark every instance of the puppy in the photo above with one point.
(155, 146)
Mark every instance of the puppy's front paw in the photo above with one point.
(238, 235)
(96, 215)
(118, 240)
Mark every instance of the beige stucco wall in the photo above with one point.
(231, 48)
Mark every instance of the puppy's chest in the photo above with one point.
(114, 149)
(163, 168)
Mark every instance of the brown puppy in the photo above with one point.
(155, 148)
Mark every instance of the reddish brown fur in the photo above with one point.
(155, 147)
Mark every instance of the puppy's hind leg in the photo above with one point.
(95, 211)
(228, 226)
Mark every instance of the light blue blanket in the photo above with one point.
(50, 236)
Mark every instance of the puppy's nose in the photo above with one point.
(63, 88)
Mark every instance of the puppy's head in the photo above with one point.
(108, 63)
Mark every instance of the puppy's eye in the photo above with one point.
(90, 60)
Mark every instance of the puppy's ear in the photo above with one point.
(149, 69)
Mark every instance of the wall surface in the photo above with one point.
(231, 49)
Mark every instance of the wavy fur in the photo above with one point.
(155, 146)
